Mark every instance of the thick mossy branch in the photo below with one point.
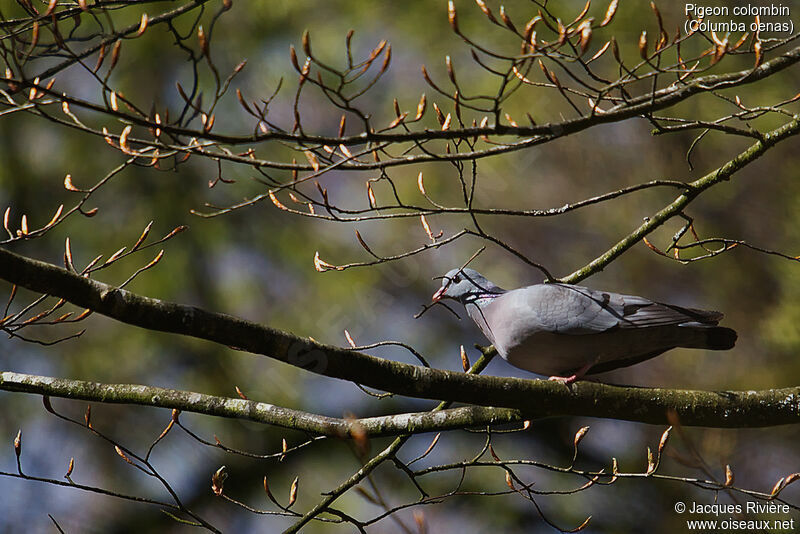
(534, 398)
(259, 412)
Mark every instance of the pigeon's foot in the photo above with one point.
(566, 380)
(569, 380)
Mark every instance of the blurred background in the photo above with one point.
(257, 263)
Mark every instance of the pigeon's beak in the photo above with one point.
(439, 294)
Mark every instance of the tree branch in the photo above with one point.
(259, 412)
(534, 398)
(386, 454)
(694, 189)
(531, 135)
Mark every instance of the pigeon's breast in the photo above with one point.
(550, 354)
(525, 326)
(512, 322)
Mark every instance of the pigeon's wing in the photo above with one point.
(577, 310)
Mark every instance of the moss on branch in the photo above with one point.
(533, 398)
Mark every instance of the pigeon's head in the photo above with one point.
(459, 284)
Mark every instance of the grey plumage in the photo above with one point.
(562, 330)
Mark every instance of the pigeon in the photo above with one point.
(566, 331)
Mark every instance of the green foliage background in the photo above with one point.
(257, 263)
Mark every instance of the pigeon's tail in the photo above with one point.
(712, 337)
(720, 338)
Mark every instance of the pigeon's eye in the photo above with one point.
(456, 279)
